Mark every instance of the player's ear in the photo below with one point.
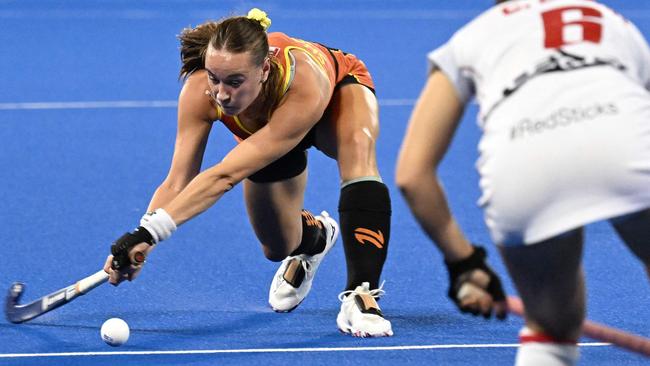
(266, 68)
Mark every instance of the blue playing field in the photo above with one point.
(87, 125)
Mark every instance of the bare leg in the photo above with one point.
(274, 210)
(350, 132)
(549, 278)
(634, 229)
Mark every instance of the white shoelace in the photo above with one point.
(376, 293)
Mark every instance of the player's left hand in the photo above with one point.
(128, 254)
(475, 288)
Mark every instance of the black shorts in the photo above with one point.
(349, 79)
(289, 165)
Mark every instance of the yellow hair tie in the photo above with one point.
(260, 16)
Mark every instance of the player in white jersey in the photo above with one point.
(562, 87)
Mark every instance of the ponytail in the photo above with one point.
(194, 43)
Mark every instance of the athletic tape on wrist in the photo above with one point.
(159, 224)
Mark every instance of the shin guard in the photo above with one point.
(364, 211)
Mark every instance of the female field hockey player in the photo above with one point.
(279, 96)
(562, 87)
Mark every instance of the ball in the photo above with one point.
(115, 332)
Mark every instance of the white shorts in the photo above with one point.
(544, 173)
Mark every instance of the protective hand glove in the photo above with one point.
(130, 250)
(128, 255)
(474, 287)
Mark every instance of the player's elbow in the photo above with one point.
(174, 186)
(408, 179)
(407, 184)
(177, 179)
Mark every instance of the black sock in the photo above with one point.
(364, 211)
(313, 235)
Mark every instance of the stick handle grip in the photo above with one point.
(90, 282)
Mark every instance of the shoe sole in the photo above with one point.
(360, 334)
(346, 328)
(288, 310)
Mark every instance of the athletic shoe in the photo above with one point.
(293, 279)
(360, 316)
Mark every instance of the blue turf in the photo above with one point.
(75, 179)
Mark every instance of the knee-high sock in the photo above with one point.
(364, 211)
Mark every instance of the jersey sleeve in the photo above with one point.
(446, 59)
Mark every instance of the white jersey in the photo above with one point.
(510, 44)
(562, 87)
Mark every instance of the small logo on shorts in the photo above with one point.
(368, 236)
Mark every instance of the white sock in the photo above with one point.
(538, 349)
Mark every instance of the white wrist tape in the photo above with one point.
(159, 224)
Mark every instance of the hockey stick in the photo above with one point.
(601, 332)
(21, 313)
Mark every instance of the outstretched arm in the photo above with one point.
(301, 108)
(195, 118)
(431, 128)
(430, 131)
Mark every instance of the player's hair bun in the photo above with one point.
(260, 16)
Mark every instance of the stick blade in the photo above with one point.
(18, 313)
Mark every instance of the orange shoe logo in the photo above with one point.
(365, 235)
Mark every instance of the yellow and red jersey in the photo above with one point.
(335, 64)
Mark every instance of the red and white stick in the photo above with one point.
(601, 332)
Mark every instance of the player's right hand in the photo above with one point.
(128, 255)
(475, 288)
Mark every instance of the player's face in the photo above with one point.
(234, 80)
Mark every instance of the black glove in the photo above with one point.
(460, 272)
(122, 246)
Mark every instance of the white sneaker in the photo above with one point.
(293, 279)
(360, 316)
